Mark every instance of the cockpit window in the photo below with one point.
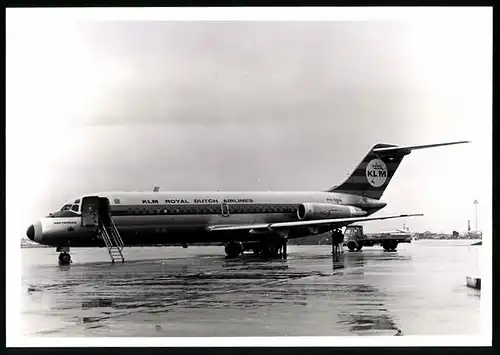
(66, 208)
(75, 208)
(77, 201)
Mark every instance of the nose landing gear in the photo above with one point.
(64, 256)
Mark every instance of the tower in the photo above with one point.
(476, 202)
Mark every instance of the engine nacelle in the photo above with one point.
(308, 211)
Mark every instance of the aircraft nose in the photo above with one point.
(34, 232)
(31, 233)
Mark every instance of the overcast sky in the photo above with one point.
(95, 106)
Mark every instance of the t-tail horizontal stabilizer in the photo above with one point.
(409, 148)
(372, 176)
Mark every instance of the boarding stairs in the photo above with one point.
(113, 241)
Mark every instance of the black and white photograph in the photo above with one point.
(249, 176)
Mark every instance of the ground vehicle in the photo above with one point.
(355, 239)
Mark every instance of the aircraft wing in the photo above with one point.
(334, 223)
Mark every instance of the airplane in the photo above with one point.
(261, 221)
(405, 230)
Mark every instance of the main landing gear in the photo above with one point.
(269, 248)
(64, 256)
(275, 248)
(233, 249)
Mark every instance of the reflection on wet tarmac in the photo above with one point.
(97, 302)
(203, 294)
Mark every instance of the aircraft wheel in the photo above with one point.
(269, 251)
(64, 259)
(359, 247)
(266, 251)
(233, 250)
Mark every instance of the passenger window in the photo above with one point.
(75, 208)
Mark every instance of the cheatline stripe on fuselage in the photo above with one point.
(206, 209)
(190, 209)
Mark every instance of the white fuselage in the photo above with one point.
(152, 218)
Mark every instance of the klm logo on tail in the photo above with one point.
(376, 172)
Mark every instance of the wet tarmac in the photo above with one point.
(171, 291)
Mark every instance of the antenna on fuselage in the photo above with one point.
(156, 189)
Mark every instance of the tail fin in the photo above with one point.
(372, 176)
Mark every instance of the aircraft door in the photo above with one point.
(90, 211)
(225, 210)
